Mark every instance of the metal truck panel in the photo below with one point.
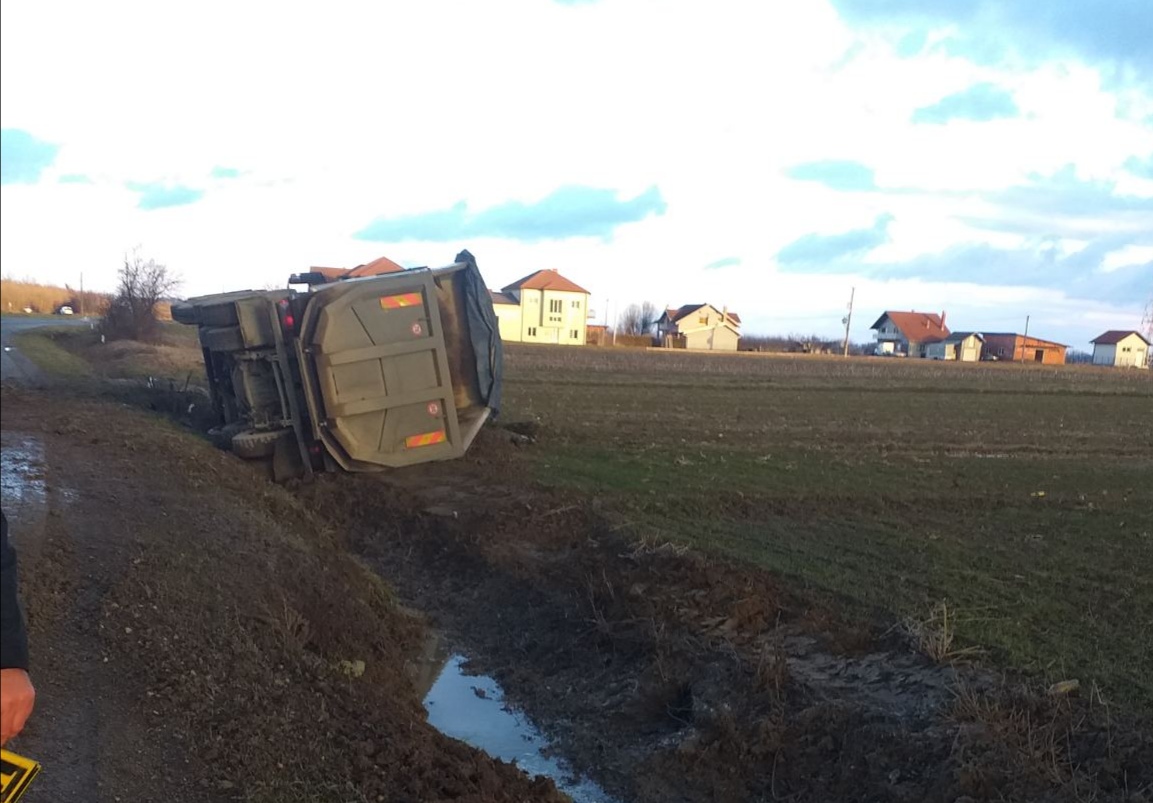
(379, 352)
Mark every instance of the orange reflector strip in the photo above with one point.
(427, 439)
(402, 300)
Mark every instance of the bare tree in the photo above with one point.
(629, 322)
(649, 315)
(132, 311)
(637, 319)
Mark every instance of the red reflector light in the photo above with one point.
(289, 321)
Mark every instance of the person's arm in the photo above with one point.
(16, 693)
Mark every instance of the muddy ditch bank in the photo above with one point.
(668, 676)
(197, 634)
(661, 674)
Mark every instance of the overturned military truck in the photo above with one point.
(353, 374)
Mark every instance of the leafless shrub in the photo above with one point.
(133, 311)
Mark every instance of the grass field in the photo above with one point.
(79, 351)
(1020, 495)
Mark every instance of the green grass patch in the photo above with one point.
(1023, 495)
(44, 348)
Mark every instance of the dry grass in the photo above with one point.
(934, 635)
(15, 296)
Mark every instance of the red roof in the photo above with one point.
(916, 326)
(545, 280)
(375, 268)
(1115, 336)
(331, 274)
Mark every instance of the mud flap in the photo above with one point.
(286, 461)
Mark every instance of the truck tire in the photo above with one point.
(222, 338)
(253, 444)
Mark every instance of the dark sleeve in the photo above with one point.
(13, 638)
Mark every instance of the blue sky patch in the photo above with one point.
(817, 250)
(157, 195)
(1114, 32)
(572, 211)
(1143, 168)
(979, 103)
(225, 172)
(836, 174)
(725, 262)
(23, 157)
(75, 178)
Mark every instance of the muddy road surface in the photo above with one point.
(200, 634)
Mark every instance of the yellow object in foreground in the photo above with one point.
(16, 772)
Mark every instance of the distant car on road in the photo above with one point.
(65, 310)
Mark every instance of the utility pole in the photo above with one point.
(848, 320)
(80, 301)
(1024, 339)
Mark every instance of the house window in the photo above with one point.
(575, 334)
(703, 320)
(556, 305)
(532, 331)
(576, 305)
(1126, 349)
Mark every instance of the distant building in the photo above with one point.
(1012, 347)
(543, 307)
(1122, 349)
(321, 275)
(906, 334)
(959, 346)
(597, 334)
(701, 327)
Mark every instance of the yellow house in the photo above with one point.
(1121, 349)
(699, 327)
(543, 307)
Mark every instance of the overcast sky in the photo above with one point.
(987, 158)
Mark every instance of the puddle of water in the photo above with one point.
(22, 472)
(471, 708)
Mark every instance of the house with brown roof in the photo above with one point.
(700, 327)
(906, 334)
(323, 275)
(1121, 348)
(543, 307)
(1012, 347)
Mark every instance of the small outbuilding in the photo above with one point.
(1121, 349)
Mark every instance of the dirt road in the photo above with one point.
(199, 633)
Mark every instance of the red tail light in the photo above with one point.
(287, 319)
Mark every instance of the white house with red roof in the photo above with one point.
(543, 307)
(1121, 348)
(907, 334)
(700, 327)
